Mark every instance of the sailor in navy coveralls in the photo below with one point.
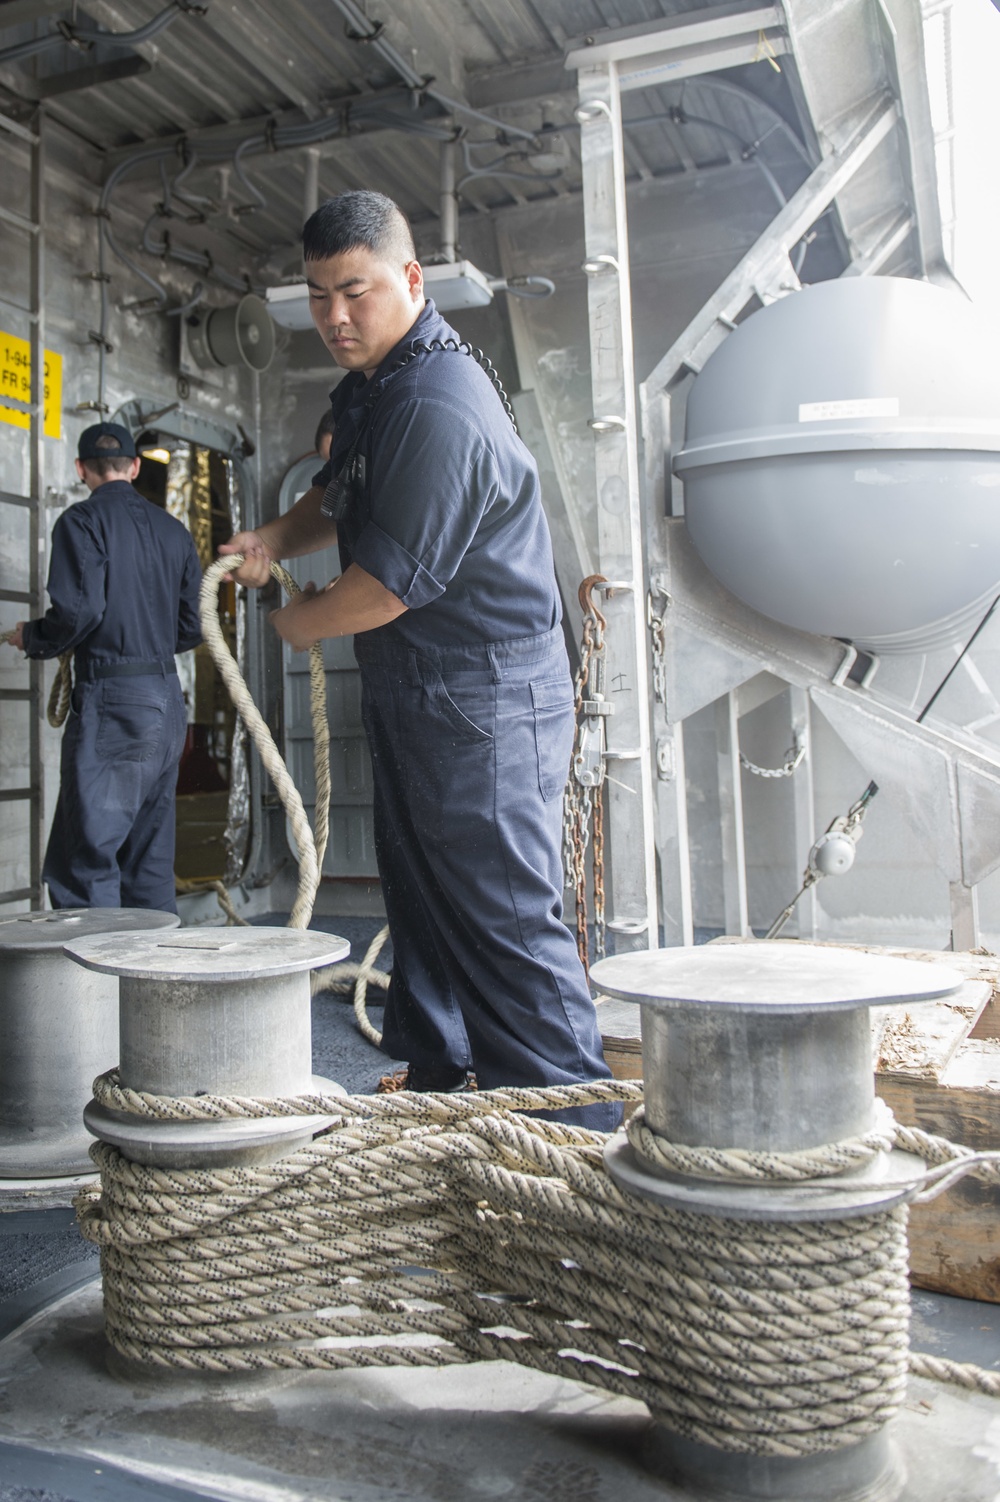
(123, 585)
(449, 589)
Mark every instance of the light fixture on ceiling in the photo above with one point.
(457, 284)
(289, 305)
(153, 445)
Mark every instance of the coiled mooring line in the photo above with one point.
(434, 1229)
(758, 1338)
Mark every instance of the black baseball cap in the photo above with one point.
(86, 447)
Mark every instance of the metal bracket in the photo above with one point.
(848, 660)
(600, 265)
(766, 263)
(588, 763)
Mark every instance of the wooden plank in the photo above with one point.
(988, 1025)
(936, 1078)
(921, 1040)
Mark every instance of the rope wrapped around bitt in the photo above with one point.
(756, 1338)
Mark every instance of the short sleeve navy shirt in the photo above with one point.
(452, 520)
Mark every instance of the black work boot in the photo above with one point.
(427, 1081)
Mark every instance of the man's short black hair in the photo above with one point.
(325, 429)
(111, 461)
(358, 219)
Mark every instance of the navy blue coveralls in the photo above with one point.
(467, 703)
(123, 585)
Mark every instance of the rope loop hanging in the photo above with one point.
(310, 849)
(61, 692)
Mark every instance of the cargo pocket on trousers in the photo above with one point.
(131, 724)
(553, 710)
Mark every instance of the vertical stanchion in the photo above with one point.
(632, 888)
(36, 492)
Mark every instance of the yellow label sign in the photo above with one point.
(15, 381)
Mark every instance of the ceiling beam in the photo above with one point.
(76, 79)
(236, 130)
(531, 83)
(684, 46)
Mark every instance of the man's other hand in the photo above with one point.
(255, 571)
(16, 637)
(292, 625)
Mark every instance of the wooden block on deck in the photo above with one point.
(621, 1036)
(920, 1041)
(939, 1069)
(955, 1240)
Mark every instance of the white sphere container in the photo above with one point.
(841, 463)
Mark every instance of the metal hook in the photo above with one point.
(586, 597)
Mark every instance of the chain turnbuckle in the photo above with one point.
(832, 855)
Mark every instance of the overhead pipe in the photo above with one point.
(67, 32)
(282, 138)
(360, 29)
(310, 181)
(449, 201)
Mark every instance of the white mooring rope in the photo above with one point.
(311, 850)
(767, 1339)
(427, 1230)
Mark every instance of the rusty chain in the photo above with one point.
(600, 927)
(583, 805)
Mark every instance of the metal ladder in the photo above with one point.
(30, 226)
